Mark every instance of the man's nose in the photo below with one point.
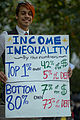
(27, 15)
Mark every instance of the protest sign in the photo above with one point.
(38, 83)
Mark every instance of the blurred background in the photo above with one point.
(52, 17)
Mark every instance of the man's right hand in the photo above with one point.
(3, 77)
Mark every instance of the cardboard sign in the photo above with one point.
(38, 83)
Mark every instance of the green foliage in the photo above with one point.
(1, 65)
(59, 17)
(75, 81)
(7, 12)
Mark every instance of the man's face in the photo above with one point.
(24, 18)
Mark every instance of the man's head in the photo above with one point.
(24, 14)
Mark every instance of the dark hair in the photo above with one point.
(27, 5)
(18, 7)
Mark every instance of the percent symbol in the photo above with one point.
(50, 72)
(52, 62)
(25, 101)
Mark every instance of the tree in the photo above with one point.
(59, 17)
(7, 19)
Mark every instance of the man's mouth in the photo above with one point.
(26, 20)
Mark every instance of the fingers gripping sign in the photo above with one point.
(3, 77)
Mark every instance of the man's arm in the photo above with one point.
(69, 72)
(3, 77)
(2, 42)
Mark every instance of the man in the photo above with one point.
(24, 14)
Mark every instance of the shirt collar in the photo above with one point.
(21, 31)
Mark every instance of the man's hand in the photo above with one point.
(3, 77)
(69, 72)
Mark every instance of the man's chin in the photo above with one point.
(26, 25)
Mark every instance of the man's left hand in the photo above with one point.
(69, 72)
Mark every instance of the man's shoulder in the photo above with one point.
(13, 32)
(31, 32)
